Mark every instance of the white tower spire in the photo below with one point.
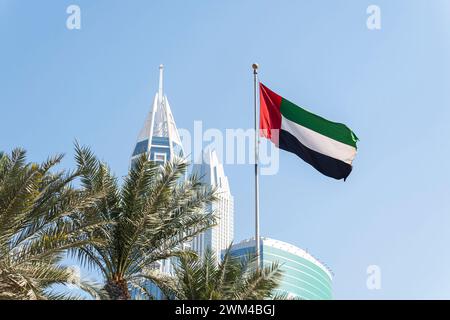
(159, 137)
(161, 79)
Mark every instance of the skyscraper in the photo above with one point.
(304, 276)
(219, 237)
(159, 137)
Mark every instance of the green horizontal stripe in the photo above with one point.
(337, 131)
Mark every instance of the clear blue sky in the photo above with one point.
(390, 86)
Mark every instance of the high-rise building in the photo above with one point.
(304, 277)
(220, 236)
(159, 137)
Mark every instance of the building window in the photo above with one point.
(216, 183)
(140, 148)
(160, 157)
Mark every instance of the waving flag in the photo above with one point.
(329, 147)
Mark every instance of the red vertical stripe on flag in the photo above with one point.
(269, 115)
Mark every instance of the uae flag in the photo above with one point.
(328, 146)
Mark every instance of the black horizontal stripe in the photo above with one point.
(327, 165)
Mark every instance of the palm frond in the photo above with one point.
(152, 215)
(41, 216)
(234, 278)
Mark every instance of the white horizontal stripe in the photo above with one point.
(318, 142)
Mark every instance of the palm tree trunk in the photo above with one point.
(117, 289)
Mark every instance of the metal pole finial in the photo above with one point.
(255, 67)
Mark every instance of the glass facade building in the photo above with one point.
(220, 236)
(160, 140)
(304, 277)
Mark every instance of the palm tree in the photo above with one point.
(40, 218)
(154, 212)
(234, 278)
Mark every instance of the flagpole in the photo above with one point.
(257, 237)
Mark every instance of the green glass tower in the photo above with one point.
(304, 276)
